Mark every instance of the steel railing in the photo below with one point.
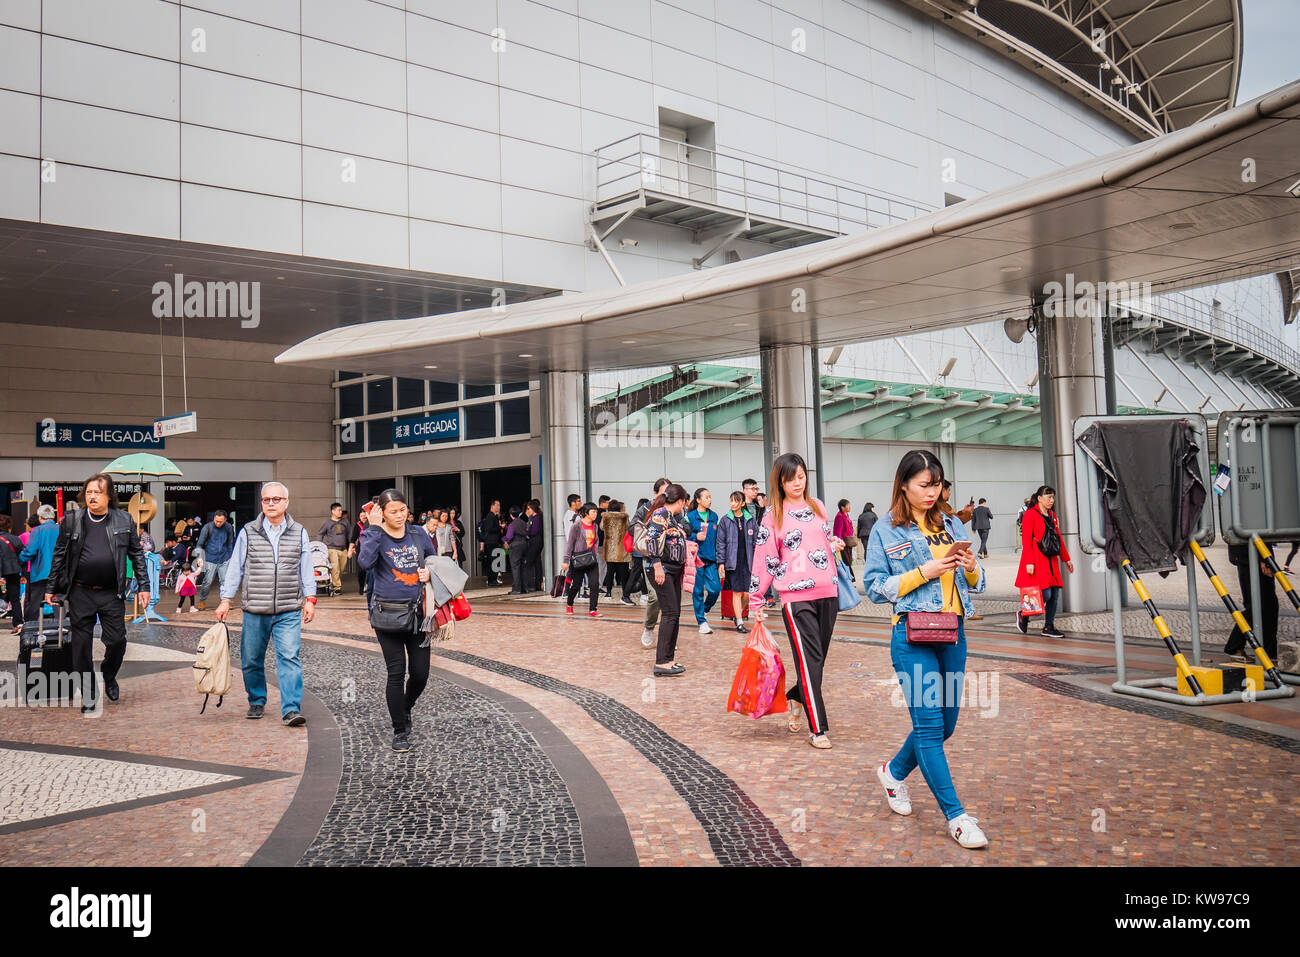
(1184, 310)
(713, 178)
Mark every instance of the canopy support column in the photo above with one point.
(791, 405)
(564, 450)
(1072, 382)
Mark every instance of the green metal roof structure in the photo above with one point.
(728, 400)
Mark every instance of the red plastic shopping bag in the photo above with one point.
(1031, 601)
(759, 686)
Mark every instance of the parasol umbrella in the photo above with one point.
(142, 506)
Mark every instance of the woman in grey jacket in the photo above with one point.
(580, 552)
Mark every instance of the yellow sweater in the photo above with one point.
(940, 542)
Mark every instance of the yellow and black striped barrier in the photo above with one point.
(1237, 616)
(1184, 669)
(1266, 554)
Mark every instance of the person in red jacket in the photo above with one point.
(1038, 569)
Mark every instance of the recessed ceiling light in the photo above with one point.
(41, 252)
(379, 289)
(167, 264)
(115, 290)
(431, 367)
(525, 355)
(740, 325)
(279, 277)
(311, 308)
(629, 342)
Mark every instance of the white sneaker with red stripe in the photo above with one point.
(966, 832)
(900, 802)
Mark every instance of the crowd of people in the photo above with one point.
(782, 547)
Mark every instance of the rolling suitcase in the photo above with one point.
(45, 659)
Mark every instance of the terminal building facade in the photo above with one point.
(358, 160)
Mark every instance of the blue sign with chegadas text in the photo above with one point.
(443, 427)
(78, 435)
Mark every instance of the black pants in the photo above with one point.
(11, 594)
(590, 575)
(84, 606)
(518, 563)
(533, 567)
(180, 606)
(399, 647)
(1267, 634)
(616, 574)
(361, 576)
(670, 613)
(35, 599)
(636, 577)
(984, 542)
(809, 625)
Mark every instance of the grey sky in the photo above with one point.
(1269, 57)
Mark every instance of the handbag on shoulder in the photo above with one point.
(934, 627)
(389, 615)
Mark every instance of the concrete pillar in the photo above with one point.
(564, 459)
(1071, 384)
(158, 524)
(791, 394)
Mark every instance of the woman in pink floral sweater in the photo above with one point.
(795, 550)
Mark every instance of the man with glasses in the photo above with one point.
(272, 558)
(216, 542)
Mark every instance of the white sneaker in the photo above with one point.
(648, 638)
(705, 629)
(644, 599)
(966, 832)
(900, 802)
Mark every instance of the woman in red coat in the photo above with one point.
(1037, 569)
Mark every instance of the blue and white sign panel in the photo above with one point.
(443, 427)
(72, 435)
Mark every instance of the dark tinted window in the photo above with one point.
(481, 421)
(379, 396)
(514, 417)
(349, 375)
(352, 438)
(440, 392)
(349, 402)
(479, 391)
(380, 434)
(410, 393)
(514, 386)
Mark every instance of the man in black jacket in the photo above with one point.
(489, 542)
(89, 567)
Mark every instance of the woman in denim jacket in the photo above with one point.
(908, 566)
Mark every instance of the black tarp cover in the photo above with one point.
(1152, 489)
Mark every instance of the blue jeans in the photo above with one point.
(706, 591)
(211, 570)
(932, 680)
(258, 630)
(1050, 598)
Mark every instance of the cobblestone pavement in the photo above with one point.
(544, 740)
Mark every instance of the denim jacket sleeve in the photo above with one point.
(881, 586)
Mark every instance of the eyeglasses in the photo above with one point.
(274, 500)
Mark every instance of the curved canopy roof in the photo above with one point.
(1181, 211)
(1152, 65)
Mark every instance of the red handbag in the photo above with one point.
(627, 543)
(459, 607)
(933, 627)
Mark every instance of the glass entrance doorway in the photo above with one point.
(510, 487)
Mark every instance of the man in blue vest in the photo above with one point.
(216, 542)
(272, 558)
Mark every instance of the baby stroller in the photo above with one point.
(320, 569)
